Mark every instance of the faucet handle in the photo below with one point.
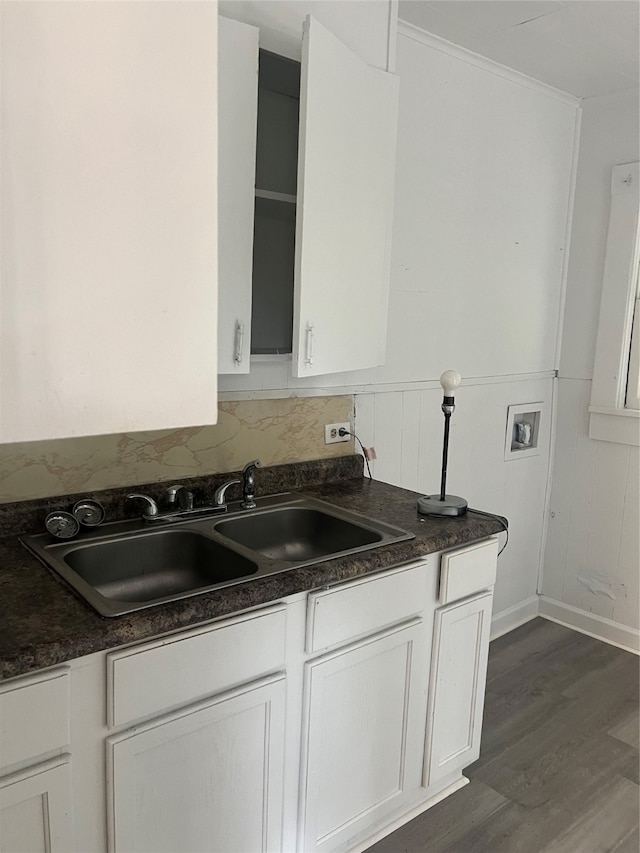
(151, 509)
(172, 492)
(181, 495)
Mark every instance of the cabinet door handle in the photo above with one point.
(310, 343)
(239, 343)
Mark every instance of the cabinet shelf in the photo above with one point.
(271, 195)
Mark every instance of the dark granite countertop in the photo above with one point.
(43, 622)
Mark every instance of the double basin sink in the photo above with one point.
(122, 567)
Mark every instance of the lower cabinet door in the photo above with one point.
(363, 738)
(35, 809)
(458, 679)
(206, 778)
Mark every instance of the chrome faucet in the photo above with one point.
(249, 484)
(150, 512)
(181, 507)
(220, 495)
(181, 504)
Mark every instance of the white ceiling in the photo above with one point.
(586, 48)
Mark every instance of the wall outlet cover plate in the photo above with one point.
(331, 435)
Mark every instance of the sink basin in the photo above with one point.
(297, 534)
(124, 566)
(158, 565)
(121, 574)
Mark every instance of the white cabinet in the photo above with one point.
(460, 651)
(346, 170)
(365, 704)
(459, 661)
(108, 219)
(205, 773)
(237, 107)
(208, 778)
(35, 789)
(36, 809)
(150, 678)
(362, 744)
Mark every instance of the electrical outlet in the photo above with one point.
(331, 435)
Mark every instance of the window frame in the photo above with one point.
(632, 397)
(609, 419)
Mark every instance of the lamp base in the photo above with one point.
(451, 505)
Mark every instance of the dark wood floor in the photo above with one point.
(558, 770)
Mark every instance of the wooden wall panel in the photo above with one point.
(407, 428)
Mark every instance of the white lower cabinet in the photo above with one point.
(207, 778)
(36, 809)
(313, 724)
(362, 742)
(456, 694)
(36, 803)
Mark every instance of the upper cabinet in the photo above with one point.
(237, 106)
(109, 218)
(319, 232)
(346, 167)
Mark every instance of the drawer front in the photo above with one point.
(468, 570)
(338, 616)
(34, 717)
(146, 680)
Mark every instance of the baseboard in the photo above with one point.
(513, 617)
(381, 833)
(588, 623)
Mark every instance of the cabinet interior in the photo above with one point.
(275, 204)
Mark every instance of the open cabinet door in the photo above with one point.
(237, 107)
(346, 168)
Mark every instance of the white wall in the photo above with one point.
(482, 200)
(591, 561)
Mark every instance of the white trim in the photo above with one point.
(462, 53)
(603, 629)
(567, 234)
(607, 410)
(387, 829)
(374, 388)
(539, 410)
(609, 420)
(392, 45)
(34, 770)
(551, 455)
(511, 618)
(632, 391)
(621, 426)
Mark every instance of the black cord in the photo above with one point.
(500, 521)
(498, 518)
(343, 431)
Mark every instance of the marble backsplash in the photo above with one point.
(275, 431)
